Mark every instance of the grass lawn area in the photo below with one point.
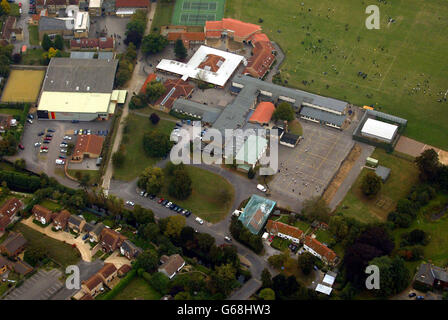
(162, 17)
(138, 289)
(32, 56)
(53, 206)
(437, 249)
(205, 201)
(13, 112)
(280, 244)
(23, 86)
(323, 236)
(136, 159)
(302, 225)
(60, 252)
(94, 174)
(34, 35)
(403, 176)
(326, 44)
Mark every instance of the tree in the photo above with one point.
(154, 118)
(179, 49)
(316, 209)
(153, 43)
(118, 159)
(284, 111)
(267, 294)
(306, 262)
(174, 226)
(151, 180)
(205, 242)
(16, 58)
(224, 277)
(147, 261)
(133, 36)
(266, 278)
(46, 42)
(156, 143)
(154, 91)
(34, 254)
(180, 185)
(428, 165)
(371, 184)
(278, 260)
(19, 164)
(59, 42)
(151, 231)
(160, 282)
(394, 276)
(338, 227)
(6, 8)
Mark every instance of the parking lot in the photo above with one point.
(45, 161)
(40, 286)
(306, 170)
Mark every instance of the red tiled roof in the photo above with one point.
(261, 60)
(42, 212)
(276, 226)
(111, 238)
(131, 4)
(84, 43)
(4, 222)
(263, 112)
(88, 144)
(212, 62)
(239, 28)
(107, 270)
(10, 207)
(321, 249)
(93, 282)
(62, 218)
(151, 77)
(181, 89)
(106, 43)
(124, 269)
(188, 36)
(213, 34)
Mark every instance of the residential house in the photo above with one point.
(76, 223)
(285, 231)
(8, 212)
(171, 265)
(124, 269)
(130, 250)
(22, 268)
(5, 265)
(88, 227)
(42, 214)
(60, 220)
(108, 273)
(430, 277)
(95, 233)
(319, 250)
(110, 240)
(96, 283)
(13, 245)
(5, 122)
(9, 31)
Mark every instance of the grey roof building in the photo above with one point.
(49, 24)
(430, 275)
(382, 172)
(105, 55)
(320, 115)
(129, 249)
(97, 229)
(81, 55)
(206, 113)
(80, 75)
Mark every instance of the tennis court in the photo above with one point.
(196, 12)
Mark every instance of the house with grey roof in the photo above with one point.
(430, 277)
(95, 233)
(130, 250)
(76, 223)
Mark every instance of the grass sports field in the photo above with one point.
(23, 86)
(196, 12)
(327, 45)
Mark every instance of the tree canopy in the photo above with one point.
(284, 111)
(153, 43)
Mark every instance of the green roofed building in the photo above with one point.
(256, 213)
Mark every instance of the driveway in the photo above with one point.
(22, 23)
(84, 248)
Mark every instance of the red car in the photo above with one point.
(160, 200)
(47, 138)
(271, 238)
(21, 146)
(44, 148)
(20, 4)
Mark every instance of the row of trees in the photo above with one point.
(243, 235)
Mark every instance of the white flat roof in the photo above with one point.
(80, 102)
(379, 129)
(328, 280)
(323, 289)
(191, 70)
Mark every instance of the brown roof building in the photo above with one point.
(131, 4)
(319, 250)
(212, 62)
(262, 56)
(5, 122)
(61, 219)
(8, 211)
(104, 276)
(175, 88)
(284, 230)
(171, 265)
(111, 240)
(102, 44)
(237, 30)
(187, 38)
(87, 145)
(263, 113)
(124, 269)
(42, 214)
(13, 244)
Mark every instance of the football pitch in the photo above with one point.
(401, 69)
(196, 12)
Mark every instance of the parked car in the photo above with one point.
(63, 150)
(40, 134)
(152, 196)
(29, 121)
(51, 130)
(48, 135)
(188, 213)
(164, 202)
(67, 138)
(30, 116)
(142, 193)
(420, 298)
(76, 132)
(199, 220)
(37, 144)
(80, 131)
(130, 203)
(261, 187)
(85, 236)
(271, 238)
(46, 141)
(62, 157)
(227, 239)
(168, 204)
(60, 161)
(63, 145)
(21, 146)
(412, 295)
(44, 148)
(160, 200)
(75, 121)
(89, 132)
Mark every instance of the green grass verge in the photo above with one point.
(403, 176)
(138, 289)
(94, 174)
(34, 35)
(136, 159)
(50, 205)
(162, 17)
(60, 252)
(326, 44)
(205, 200)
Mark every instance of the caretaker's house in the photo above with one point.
(5, 122)
(319, 250)
(87, 146)
(430, 277)
(60, 220)
(95, 233)
(130, 250)
(104, 276)
(108, 273)
(13, 245)
(76, 223)
(126, 8)
(124, 269)
(10, 208)
(263, 113)
(285, 231)
(54, 26)
(174, 89)
(171, 265)
(111, 240)
(42, 214)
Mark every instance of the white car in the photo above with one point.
(89, 132)
(199, 220)
(261, 187)
(63, 151)
(43, 150)
(130, 203)
(237, 213)
(37, 144)
(168, 204)
(29, 121)
(60, 161)
(63, 145)
(227, 239)
(67, 138)
(142, 193)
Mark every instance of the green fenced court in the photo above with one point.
(196, 12)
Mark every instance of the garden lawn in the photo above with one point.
(138, 289)
(60, 252)
(50, 205)
(34, 35)
(205, 200)
(94, 174)
(403, 176)
(327, 44)
(162, 17)
(32, 57)
(136, 159)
